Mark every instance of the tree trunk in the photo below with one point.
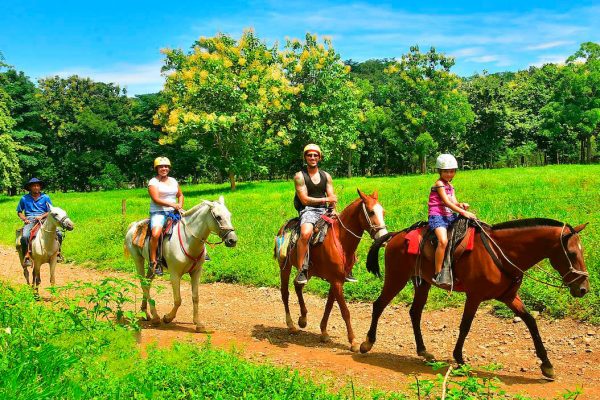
(232, 180)
(349, 172)
(589, 150)
(582, 151)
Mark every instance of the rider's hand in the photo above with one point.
(464, 206)
(469, 215)
(332, 199)
(26, 221)
(177, 207)
(39, 218)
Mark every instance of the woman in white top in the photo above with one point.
(166, 197)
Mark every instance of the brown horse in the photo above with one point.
(333, 259)
(483, 275)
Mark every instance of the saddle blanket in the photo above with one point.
(415, 237)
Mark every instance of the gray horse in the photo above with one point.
(45, 247)
(183, 253)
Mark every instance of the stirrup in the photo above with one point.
(302, 279)
(350, 278)
(27, 262)
(155, 268)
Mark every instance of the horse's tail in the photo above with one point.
(373, 256)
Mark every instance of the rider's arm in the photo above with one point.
(179, 197)
(302, 192)
(22, 216)
(332, 198)
(450, 203)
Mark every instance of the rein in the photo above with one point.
(372, 228)
(527, 274)
(223, 232)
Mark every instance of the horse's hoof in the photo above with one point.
(354, 347)
(548, 371)
(325, 338)
(302, 322)
(293, 330)
(366, 346)
(201, 329)
(166, 319)
(426, 355)
(155, 321)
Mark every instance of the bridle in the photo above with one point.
(61, 222)
(372, 229)
(579, 274)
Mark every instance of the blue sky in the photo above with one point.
(120, 41)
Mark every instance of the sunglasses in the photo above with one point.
(312, 155)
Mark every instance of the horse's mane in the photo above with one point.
(348, 206)
(195, 208)
(526, 223)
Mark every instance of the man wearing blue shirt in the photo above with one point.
(32, 208)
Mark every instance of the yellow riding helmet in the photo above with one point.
(312, 147)
(161, 161)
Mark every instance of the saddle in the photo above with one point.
(34, 232)
(142, 232)
(290, 233)
(460, 232)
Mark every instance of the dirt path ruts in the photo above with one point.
(252, 319)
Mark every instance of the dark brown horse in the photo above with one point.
(333, 259)
(516, 247)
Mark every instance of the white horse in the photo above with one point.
(183, 253)
(45, 246)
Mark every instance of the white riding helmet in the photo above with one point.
(446, 161)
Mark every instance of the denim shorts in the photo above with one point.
(158, 218)
(441, 221)
(310, 215)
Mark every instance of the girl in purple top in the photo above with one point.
(442, 208)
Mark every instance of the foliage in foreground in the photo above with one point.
(67, 352)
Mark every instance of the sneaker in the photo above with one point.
(301, 279)
(60, 258)
(207, 257)
(154, 268)
(351, 278)
(27, 262)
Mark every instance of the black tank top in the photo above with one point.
(317, 191)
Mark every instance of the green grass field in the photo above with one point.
(566, 193)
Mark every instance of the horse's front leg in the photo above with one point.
(36, 278)
(26, 275)
(195, 277)
(146, 282)
(416, 310)
(519, 309)
(284, 277)
(52, 264)
(471, 306)
(328, 306)
(176, 285)
(338, 289)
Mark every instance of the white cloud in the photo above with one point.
(549, 45)
(550, 59)
(136, 78)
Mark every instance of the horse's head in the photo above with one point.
(221, 223)
(61, 218)
(568, 261)
(372, 216)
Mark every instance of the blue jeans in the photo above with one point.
(441, 221)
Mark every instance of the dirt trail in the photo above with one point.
(252, 319)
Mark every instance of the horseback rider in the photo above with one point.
(166, 198)
(314, 192)
(32, 209)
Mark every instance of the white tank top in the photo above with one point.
(167, 191)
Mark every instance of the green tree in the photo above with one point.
(324, 106)
(10, 172)
(88, 121)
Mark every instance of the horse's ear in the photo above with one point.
(361, 194)
(581, 227)
(375, 195)
(221, 200)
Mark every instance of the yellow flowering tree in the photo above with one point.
(223, 97)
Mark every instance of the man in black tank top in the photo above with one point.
(314, 190)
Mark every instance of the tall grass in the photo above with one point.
(567, 193)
